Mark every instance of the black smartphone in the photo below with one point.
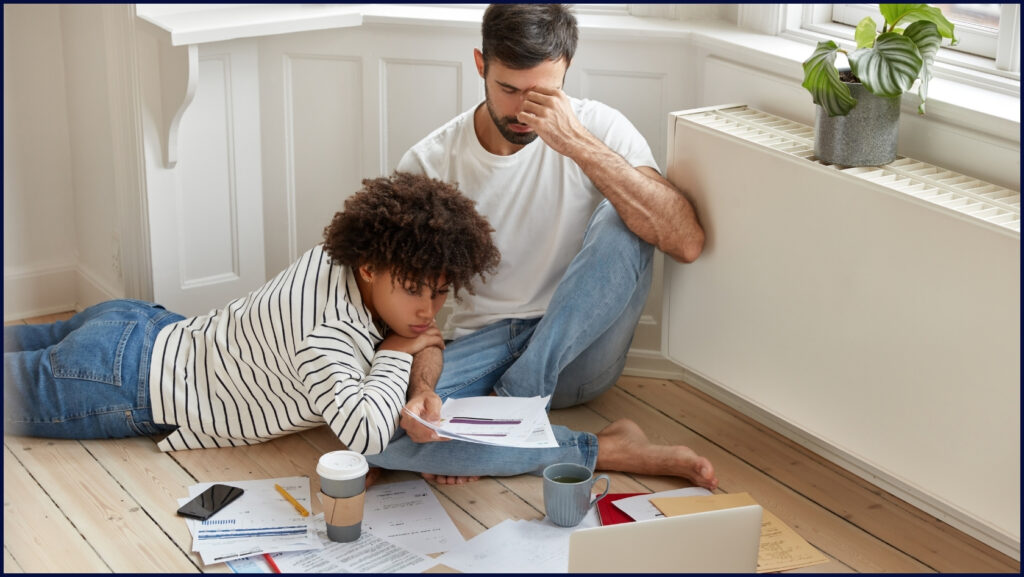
(210, 501)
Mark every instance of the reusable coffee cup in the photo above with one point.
(342, 489)
(567, 492)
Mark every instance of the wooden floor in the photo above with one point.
(109, 506)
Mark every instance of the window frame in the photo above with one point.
(973, 39)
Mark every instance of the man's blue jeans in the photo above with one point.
(86, 377)
(575, 352)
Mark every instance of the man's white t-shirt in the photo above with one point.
(538, 201)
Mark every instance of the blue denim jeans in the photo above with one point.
(86, 377)
(575, 352)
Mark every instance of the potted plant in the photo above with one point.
(857, 113)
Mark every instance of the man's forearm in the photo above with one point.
(426, 370)
(649, 205)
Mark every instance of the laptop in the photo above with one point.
(722, 541)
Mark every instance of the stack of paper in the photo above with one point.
(260, 521)
(370, 553)
(504, 421)
(517, 546)
(402, 524)
(639, 507)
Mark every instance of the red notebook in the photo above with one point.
(610, 514)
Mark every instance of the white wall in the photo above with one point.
(97, 224)
(61, 240)
(40, 253)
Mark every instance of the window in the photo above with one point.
(989, 31)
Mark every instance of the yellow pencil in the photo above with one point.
(302, 510)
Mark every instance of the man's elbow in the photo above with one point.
(689, 249)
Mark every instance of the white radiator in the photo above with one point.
(871, 314)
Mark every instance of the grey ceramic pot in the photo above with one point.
(867, 136)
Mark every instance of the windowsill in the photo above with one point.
(957, 100)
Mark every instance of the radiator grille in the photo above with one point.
(950, 190)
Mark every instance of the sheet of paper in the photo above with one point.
(503, 421)
(260, 521)
(641, 509)
(370, 553)
(254, 564)
(409, 514)
(517, 546)
(781, 547)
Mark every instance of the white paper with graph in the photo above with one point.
(504, 421)
(260, 521)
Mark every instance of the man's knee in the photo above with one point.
(608, 235)
(587, 378)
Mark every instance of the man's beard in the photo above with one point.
(502, 124)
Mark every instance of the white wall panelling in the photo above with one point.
(207, 202)
(342, 105)
(417, 97)
(324, 142)
(206, 211)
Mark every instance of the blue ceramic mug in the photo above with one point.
(567, 492)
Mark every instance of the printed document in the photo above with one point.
(409, 514)
(369, 553)
(260, 521)
(504, 421)
(517, 546)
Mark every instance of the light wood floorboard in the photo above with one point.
(109, 505)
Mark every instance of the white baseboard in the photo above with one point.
(945, 512)
(92, 290)
(48, 290)
(38, 292)
(651, 364)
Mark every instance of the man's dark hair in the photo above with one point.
(521, 36)
(415, 227)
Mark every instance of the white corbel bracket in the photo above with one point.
(179, 77)
(181, 28)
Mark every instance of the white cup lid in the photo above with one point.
(342, 465)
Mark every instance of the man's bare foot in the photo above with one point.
(623, 446)
(449, 479)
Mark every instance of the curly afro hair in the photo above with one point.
(417, 228)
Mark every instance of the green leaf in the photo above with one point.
(889, 68)
(865, 33)
(821, 79)
(908, 13)
(926, 36)
(894, 12)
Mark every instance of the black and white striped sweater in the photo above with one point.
(292, 355)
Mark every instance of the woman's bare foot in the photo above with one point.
(372, 475)
(449, 479)
(623, 446)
